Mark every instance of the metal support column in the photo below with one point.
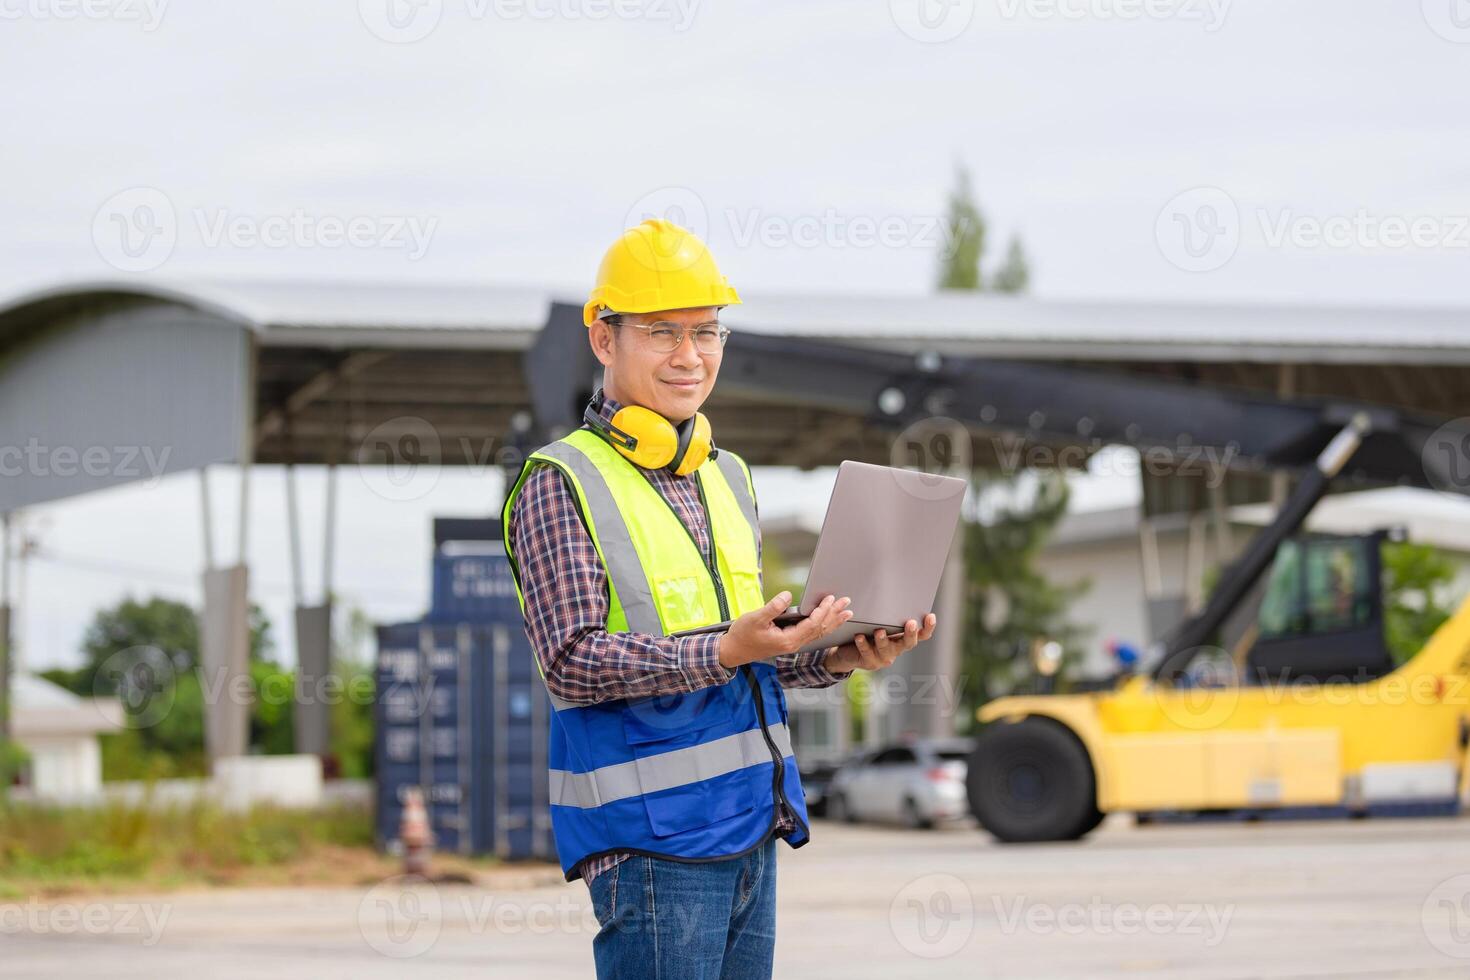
(225, 638)
(313, 709)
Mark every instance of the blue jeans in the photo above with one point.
(680, 920)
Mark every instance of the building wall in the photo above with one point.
(1115, 607)
(64, 766)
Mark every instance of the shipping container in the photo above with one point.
(461, 710)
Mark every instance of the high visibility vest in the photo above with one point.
(693, 776)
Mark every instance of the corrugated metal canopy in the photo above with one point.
(340, 367)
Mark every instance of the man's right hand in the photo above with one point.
(755, 636)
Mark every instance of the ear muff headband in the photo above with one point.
(685, 432)
(697, 446)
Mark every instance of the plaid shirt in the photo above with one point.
(565, 588)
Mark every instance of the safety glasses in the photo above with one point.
(665, 337)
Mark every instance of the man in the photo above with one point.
(671, 767)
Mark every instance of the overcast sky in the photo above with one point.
(1308, 151)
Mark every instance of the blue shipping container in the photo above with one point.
(462, 714)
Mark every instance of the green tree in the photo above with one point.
(1014, 274)
(13, 761)
(164, 624)
(962, 265)
(169, 741)
(352, 715)
(965, 228)
(352, 722)
(1008, 603)
(273, 715)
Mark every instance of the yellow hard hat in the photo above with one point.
(657, 266)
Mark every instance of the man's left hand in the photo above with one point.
(879, 651)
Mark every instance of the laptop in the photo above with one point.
(884, 541)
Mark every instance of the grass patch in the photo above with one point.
(52, 850)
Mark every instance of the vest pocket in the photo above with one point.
(746, 586)
(685, 601)
(698, 805)
(685, 774)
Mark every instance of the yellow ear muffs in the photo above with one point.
(654, 440)
(694, 445)
(651, 441)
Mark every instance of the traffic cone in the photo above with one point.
(418, 839)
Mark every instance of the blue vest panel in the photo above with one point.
(689, 776)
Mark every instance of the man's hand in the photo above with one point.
(880, 651)
(755, 636)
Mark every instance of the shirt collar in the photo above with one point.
(609, 407)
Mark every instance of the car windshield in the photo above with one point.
(953, 755)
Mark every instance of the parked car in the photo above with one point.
(917, 783)
(815, 781)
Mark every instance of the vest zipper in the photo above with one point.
(778, 782)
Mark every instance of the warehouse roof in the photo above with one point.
(496, 316)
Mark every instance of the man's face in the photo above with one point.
(673, 384)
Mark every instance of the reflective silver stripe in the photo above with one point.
(623, 566)
(734, 475)
(665, 770)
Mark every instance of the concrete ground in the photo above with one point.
(1349, 899)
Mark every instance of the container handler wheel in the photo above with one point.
(1032, 780)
